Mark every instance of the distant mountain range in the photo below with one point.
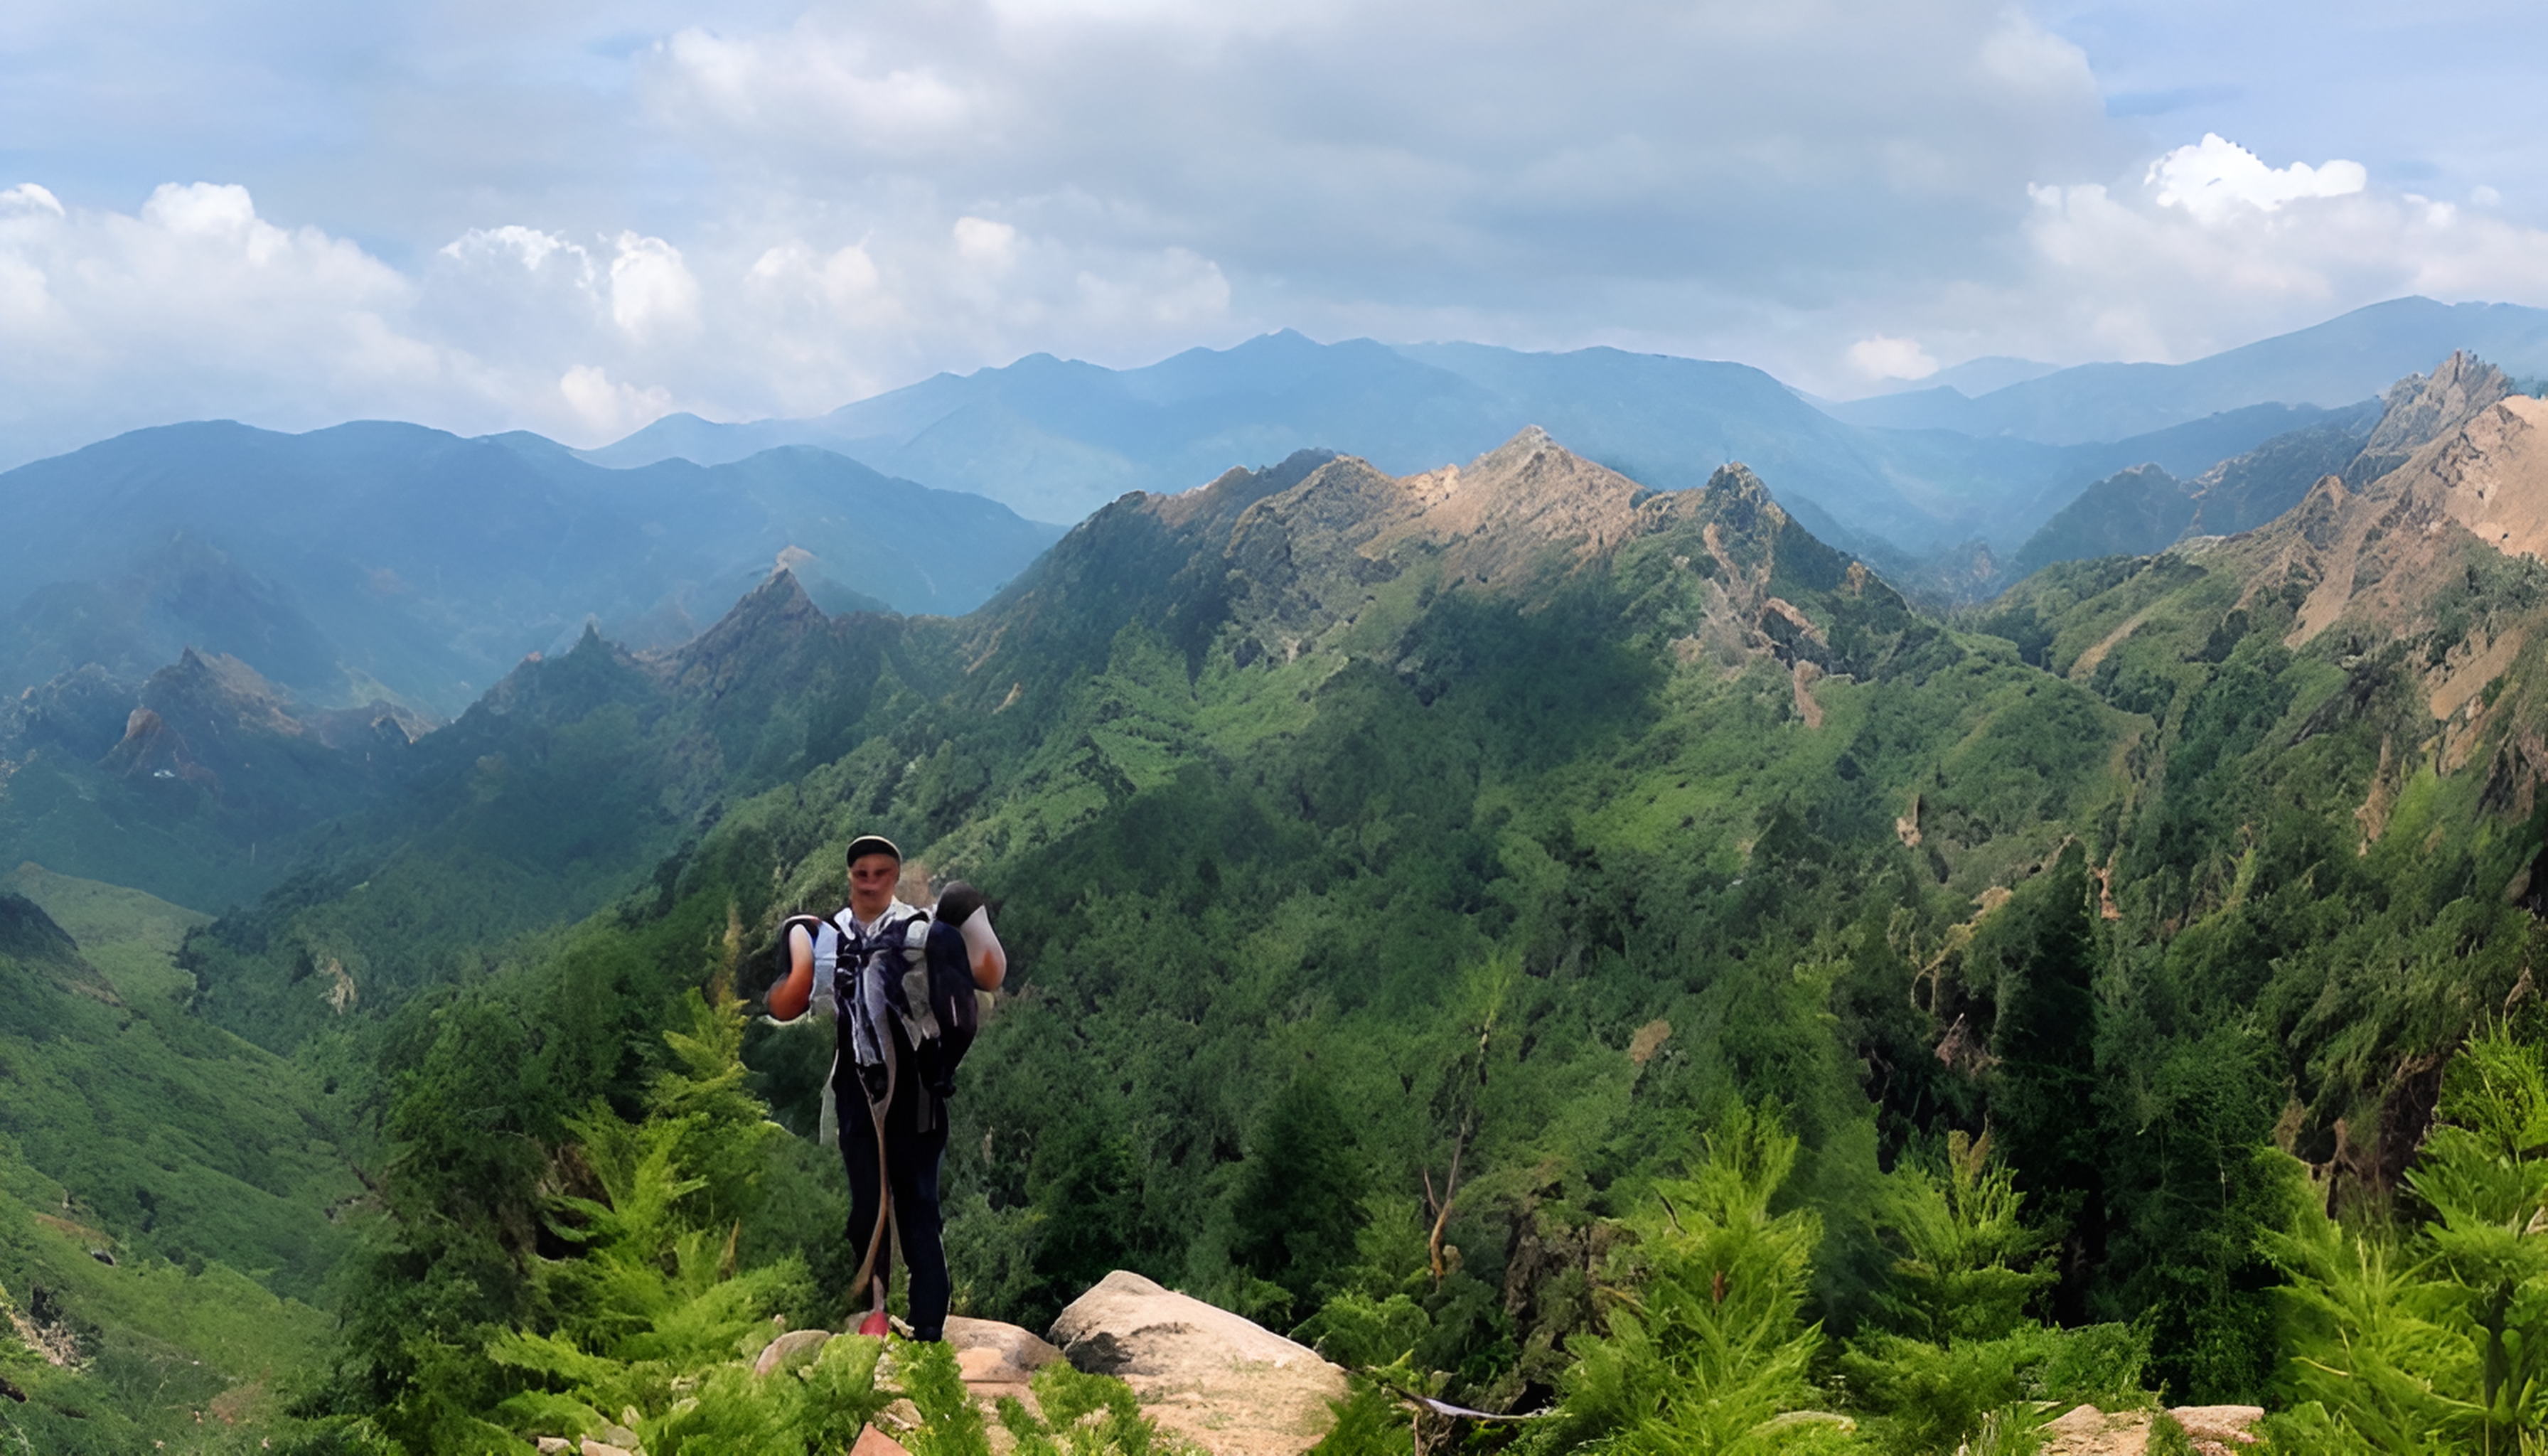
(2145, 509)
(1054, 439)
(391, 561)
(2348, 358)
(384, 562)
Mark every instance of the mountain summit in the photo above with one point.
(1333, 557)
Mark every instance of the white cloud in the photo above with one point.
(527, 246)
(845, 281)
(2153, 276)
(607, 410)
(1884, 357)
(992, 246)
(578, 215)
(652, 294)
(29, 197)
(193, 306)
(811, 74)
(2214, 179)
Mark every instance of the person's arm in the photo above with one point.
(789, 998)
(982, 949)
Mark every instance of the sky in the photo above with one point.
(575, 218)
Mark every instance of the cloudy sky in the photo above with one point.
(572, 217)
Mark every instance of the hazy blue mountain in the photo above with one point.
(2347, 358)
(390, 560)
(2131, 512)
(1973, 376)
(2147, 508)
(199, 785)
(1055, 438)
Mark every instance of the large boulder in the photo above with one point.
(1227, 1384)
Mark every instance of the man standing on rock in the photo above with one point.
(891, 976)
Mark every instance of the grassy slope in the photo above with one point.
(190, 1156)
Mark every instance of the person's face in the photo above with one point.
(872, 881)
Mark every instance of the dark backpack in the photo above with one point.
(933, 996)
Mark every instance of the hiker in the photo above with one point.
(899, 983)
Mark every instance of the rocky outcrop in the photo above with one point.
(2421, 409)
(2378, 552)
(2213, 1430)
(1230, 1384)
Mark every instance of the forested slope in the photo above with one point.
(1626, 852)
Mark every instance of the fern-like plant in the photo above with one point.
(1708, 1349)
(2433, 1338)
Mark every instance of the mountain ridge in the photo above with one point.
(2351, 357)
(436, 562)
(2145, 509)
(1059, 438)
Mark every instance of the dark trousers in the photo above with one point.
(911, 1166)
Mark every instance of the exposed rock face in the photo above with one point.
(2492, 476)
(2421, 409)
(1308, 556)
(1307, 563)
(1231, 1386)
(206, 716)
(1503, 522)
(2382, 552)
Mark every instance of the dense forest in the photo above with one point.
(1551, 944)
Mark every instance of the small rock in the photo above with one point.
(2223, 1427)
(592, 1447)
(873, 1442)
(554, 1445)
(783, 1351)
(2085, 1430)
(991, 1352)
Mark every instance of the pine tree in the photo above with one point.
(1089, 1207)
(1299, 1201)
(2042, 1101)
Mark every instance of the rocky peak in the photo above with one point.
(1498, 518)
(198, 711)
(1520, 517)
(1737, 498)
(2489, 475)
(81, 712)
(2421, 409)
(216, 692)
(765, 624)
(1234, 491)
(2380, 551)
